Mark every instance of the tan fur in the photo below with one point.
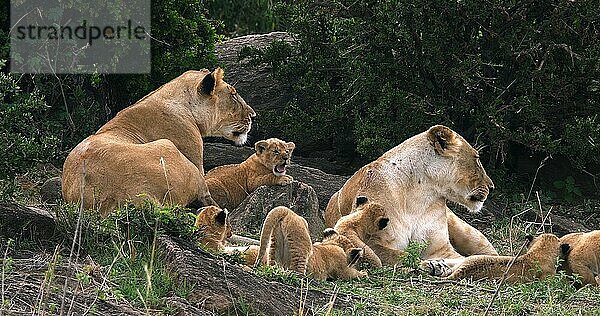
(213, 227)
(537, 263)
(583, 258)
(285, 235)
(364, 224)
(248, 253)
(412, 183)
(153, 148)
(229, 185)
(466, 239)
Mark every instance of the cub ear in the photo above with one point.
(261, 146)
(529, 239)
(382, 222)
(209, 83)
(290, 145)
(360, 200)
(443, 140)
(221, 217)
(328, 233)
(565, 249)
(354, 255)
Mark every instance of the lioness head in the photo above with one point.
(233, 116)
(275, 154)
(213, 227)
(459, 175)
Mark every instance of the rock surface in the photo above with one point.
(35, 285)
(221, 286)
(248, 218)
(51, 190)
(254, 83)
(25, 222)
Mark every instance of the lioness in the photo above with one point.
(153, 148)
(412, 182)
(229, 185)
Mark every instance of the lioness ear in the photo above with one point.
(261, 146)
(328, 232)
(221, 217)
(360, 200)
(565, 249)
(443, 140)
(210, 81)
(382, 222)
(354, 255)
(290, 145)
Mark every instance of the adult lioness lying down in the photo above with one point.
(153, 148)
(412, 182)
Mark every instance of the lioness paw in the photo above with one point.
(436, 267)
(285, 180)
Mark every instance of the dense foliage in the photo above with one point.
(520, 77)
(242, 17)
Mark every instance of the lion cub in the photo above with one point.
(213, 227)
(361, 226)
(286, 236)
(537, 263)
(229, 185)
(583, 258)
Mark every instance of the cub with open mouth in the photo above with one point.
(229, 185)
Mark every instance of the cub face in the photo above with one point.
(213, 227)
(275, 154)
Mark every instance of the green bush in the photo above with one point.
(24, 140)
(243, 17)
(368, 74)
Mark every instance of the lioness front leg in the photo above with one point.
(442, 260)
(388, 256)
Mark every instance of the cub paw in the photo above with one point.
(285, 180)
(436, 267)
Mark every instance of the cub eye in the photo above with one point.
(276, 152)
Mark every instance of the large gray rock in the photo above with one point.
(300, 197)
(254, 83)
(51, 190)
(324, 184)
(19, 221)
